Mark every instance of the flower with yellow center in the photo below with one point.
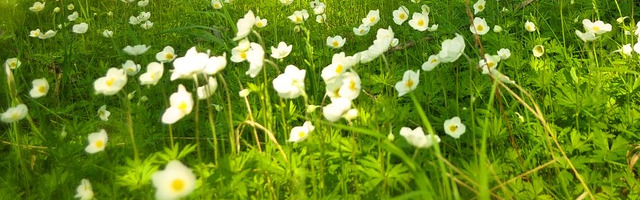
(419, 22)
(454, 127)
(40, 88)
(350, 88)
(12, 63)
(372, 18)
(216, 4)
(153, 74)
(37, 6)
(112, 83)
(15, 113)
(431, 63)
(180, 105)
(478, 6)
(299, 16)
(97, 142)
(286, 2)
(361, 30)
(84, 190)
(488, 63)
(409, 82)
(131, 68)
(530, 26)
(174, 182)
(417, 138)
(479, 26)
(336, 41)
(538, 51)
(261, 23)
(281, 51)
(166, 55)
(300, 133)
(35, 33)
(400, 15)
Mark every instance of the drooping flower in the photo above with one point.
(299, 16)
(478, 6)
(255, 57)
(14, 114)
(431, 63)
(417, 138)
(97, 142)
(40, 88)
(361, 30)
(530, 26)
(131, 68)
(193, 62)
(84, 190)
(281, 51)
(489, 63)
(290, 84)
(597, 27)
(586, 37)
(336, 41)
(300, 133)
(497, 28)
(37, 6)
(452, 49)
(12, 63)
(479, 26)
(166, 55)
(336, 109)
(409, 82)
(504, 53)
(153, 74)
(207, 90)
(454, 128)
(112, 83)
(400, 15)
(80, 28)
(245, 25)
(174, 182)
(372, 18)
(103, 113)
(538, 51)
(261, 23)
(180, 104)
(420, 22)
(47, 35)
(136, 50)
(215, 64)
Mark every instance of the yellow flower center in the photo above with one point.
(361, 31)
(596, 29)
(177, 185)
(491, 64)
(409, 83)
(402, 16)
(421, 22)
(352, 85)
(259, 24)
(479, 27)
(301, 134)
(110, 82)
(243, 55)
(182, 106)
(372, 19)
(339, 69)
(168, 56)
(15, 115)
(335, 43)
(217, 5)
(99, 144)
(298, 19)
(13, 64)
(434, 60)
(453, 128)
(480, 7)
(41, 89)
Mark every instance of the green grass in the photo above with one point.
(569, 129)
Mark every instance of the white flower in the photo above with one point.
(299, 16)
(193, 62)
(166, 55)
(35, 33)
(84, 190)
(290, 84)
(216, 4)
(47, 35)
(504, 53)
(300, 133)
(244, 93)
(107, 33)
(260, 23)
(452, 49)
(146, 25)
(586, 37)
(339, 64)
(637, 31)
(136, 50)
(431, 63)
(478, 6)
(409, 82)
(453, 127)
(433, 28)
(73, 16)
(321, 18)
(80, 28)
(180, 104)
(207, 90)
(319, 9)
(37, 6)
(636, 47)
(497, 29)
(97, 142)
(419, 22)
(626, 49)
(174, 182)
(134, 20)
(282, 51)
(372, 18)
(12, 63)
(620, 20)
(350, 87)
(255, 56)
(70, 6)
(314, 3)
(361, 30)
(130, 67)
(338, 107)
(351, 114)
(425, 9)
(40, 88)
(103, 113)
(417, 138)
(143, 3)
(286, 2)
(112, 83)
(215, 64)
(489, 63)
(336, 41)
(144, 16)
(15, 113)
(597, 27)
(538, 51)
(153, 74)
(529, 26)
(400, 15)
(245, 25)
(479, 26)
(239, 53)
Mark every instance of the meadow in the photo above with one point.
(323, 99)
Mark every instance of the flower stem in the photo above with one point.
(232, 138)
(127, 103)
(197, 121)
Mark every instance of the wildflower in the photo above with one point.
(143, 3)
(191, 63)
(637, 31)
(239, 53)
(319, 9)
(134, 20)
(586, 37)
(504, 53)
(70, 6)
(314, 3)
(47, 35)
(489, 63)
(12, 63)
(626, 49)
(394, 42)
(351, 114)
(336, 109)
(597, 27)
(431, 63)
(381, 44)
(620, 20)
(153, 74)
(216, 4)
(144, 16)
(166, 55)
(409, 82)
(339, 64)
(136, 50)
(425, 9)
(180, 104)
(281, 51)
(479, 26)
(350, 87)
(35, 33)
(255, 56)
(529, 26)
(299, 16)
(97, 142)
(84, 190)
(261, 23)
(14, 114)
(636, 47)
(497, 29)
(478, 6)
(361, 30)
(300, 133)
(417, 138)
(538, 51)
(73, 16)
(131, 68)
(112, 83)
(321, 18)
(244, 93)
(419, 22)
(207, 90)
(37, 6)
(391, 137)
(452, 49)
(453, 127)
(56, 10)
(286, 2)
(40, 88)
(372, 18)
(433, 28)
(80, 28)
(215, 64)
(103, 113)
(400, 15)
(336, 41)
(146, 25)
(244, 25)
(174, 182)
